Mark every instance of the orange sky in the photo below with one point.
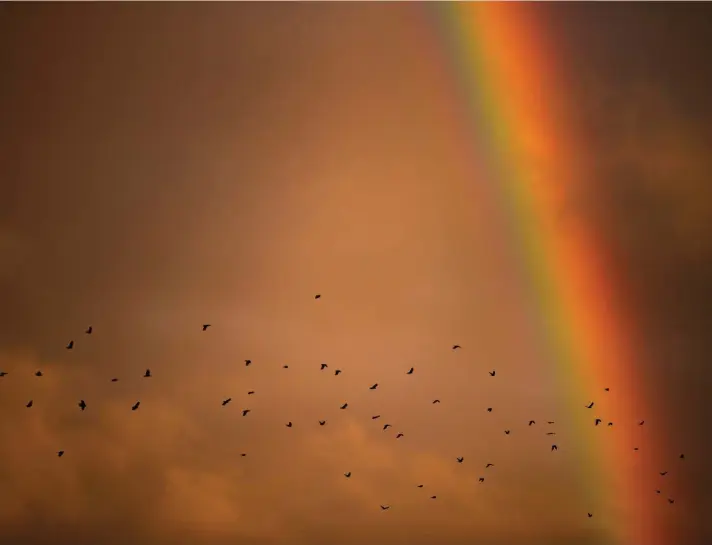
(174, 165)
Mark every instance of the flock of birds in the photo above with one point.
(554, 447)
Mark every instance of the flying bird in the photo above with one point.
(3, 373)
(682, 456)
(288, 424)
(82, 404)
(489, 409)
(551, 422)
(399, 436)
(610, 424)
(243, 454)
(374, 417)
(410, 371)
(590, 515)
(590, 405)
(89, 330)
(226, 401)
(506, 432)
(323, 366)
(247, 363)
(663, 473)
(493, 372)
(322, 422)
(554, 447)
(251, 392)
(641, 422)
(114, 379)
(433, 497)
(606, 389)
(285, 367)
(481, 479)
(29, 404)
(420, 486)
(135, 406)
(206, 326)
(436, 401)
(657, 491)
(489, 465)
(386, 427)
(337, 372)
(147, 374)
(70, 345)
(60, 453)
(38, 373)
(344, 406)
(460, 459)
(373, 387)
(317, 296)
(671, 501)
(551, 433)
(245, 411)
(385, 507)
(456, 346)
(347, 474)
(531, 422)
(597, 421)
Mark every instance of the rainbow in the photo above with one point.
(512, 115)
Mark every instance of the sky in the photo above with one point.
(166, 165)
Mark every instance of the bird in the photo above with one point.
(606, 389)
(324, 366)
(135, 406)
(386, 427)
(38, 373)
(590, 515)
(551, 422)
(456, 346)
(245, 411)
(251, 392)
(410, 371)
(489, 409)
(597, 421)
(206, 326)
(322, 422)
(344, 406)
(385, 507)
(288, 424)
(147, 374)
(247, 363)
(226, 401)
(641, 422)
(635, 448)
(493, 372)
(82, 404)
(3, 373)
(60, 453)
(70, 345)
(657, 491)
(554, 447)
(29, 404)
(481, 479)
(506, 432)
(337, 372)
(347, 474)
(317, 296)
(663, 473)
(433, 497)
(610, 424)
(285, 367)
(243, 454)
(682, 456)
(399, 436)
(373, 387)
(489, 465)
(671, 501)
(460, 459)
(436, 401)
(590, 405)
(551, 433)
(420, 486)
(374, 417)
(531, 422)
(114, 379)
(89, 330)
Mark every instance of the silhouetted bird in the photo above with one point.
(285, 367)
(682, 456)
(531, 422)
(436, 401)
(590, 515)
(460, 459)
(29, 404)
(38, 373)
(606, 389)
(374, 386)
(70, 345)
(317, 296)
(60, 453)
(289, 424)
(322, 422)
(610, 424)
(205, 327)
(243, 454)
(433, 497)
(671, 501)
(420, 486)
(247, 362)
(590, 405)
(663, 473)
(456, 346)
(386, 427)
(410, 371)
(226, 401)
(147, 374)
(635, 448)
(506, 432)
(597, 421)
(114, 379)
(3, 373)
(324, 366)
(347, 474)
(374, 417)
(489, 409)
(89, 330)
(554, 447)
(551, 422)
(337, 372)
(481, 479)
(489, 465)
(344, 406)
(657, 491)
(82, 404)
(551, 433)
(251, 392)
(385, 507)
(493, 372)
(135, 406)
(245, 411)
(641, 422)
(399, 436)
